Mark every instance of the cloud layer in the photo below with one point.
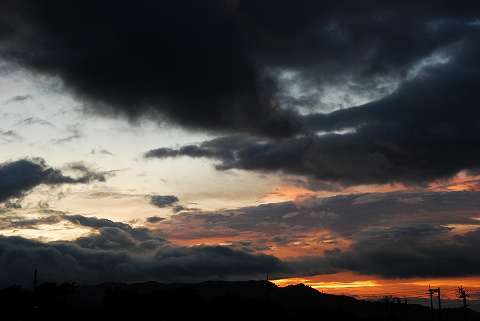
(67, 262)
(391, 235)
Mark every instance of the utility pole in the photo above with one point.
(431, 292)
(35, 289)
(323, 301)
(35, 281)
(268, 290)
(439, 305)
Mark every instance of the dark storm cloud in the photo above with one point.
(373, 32)
(426, 130)
(69, 262)
(163, 200)
(423, 129)
(213, 64)
(18, 177)
(189, 60)
(362, 48)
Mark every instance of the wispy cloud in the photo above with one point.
(76, 133)
(17, 99)
(10, 136)
(33, 121)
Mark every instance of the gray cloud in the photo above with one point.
(69, 262)
(94, 222)
(103, 152)
(10, 136)
(115, 235)
(30, 223)
(163, 200)
(109, 238)
(403, 256)
(179, 208)
(154, 219)
(388, 236)
(343, 215)
(18, 177)
(76, 133)
(33, 121)
(351, 215)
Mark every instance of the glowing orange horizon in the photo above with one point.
(364, 286)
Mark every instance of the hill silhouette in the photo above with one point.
(211, 300)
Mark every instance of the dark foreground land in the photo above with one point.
(252, 300)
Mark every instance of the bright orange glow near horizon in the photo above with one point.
(364, 287)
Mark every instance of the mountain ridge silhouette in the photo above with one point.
(293, 297)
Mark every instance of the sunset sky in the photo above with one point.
(334, 143)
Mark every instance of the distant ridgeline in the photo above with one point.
(212, 300)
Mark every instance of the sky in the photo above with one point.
(335, 143)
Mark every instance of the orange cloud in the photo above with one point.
(462, 182)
